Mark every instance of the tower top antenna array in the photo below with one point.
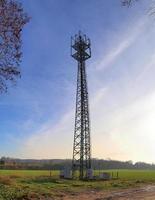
(81, 51)
(80, 47)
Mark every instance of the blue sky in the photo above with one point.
(37, 115)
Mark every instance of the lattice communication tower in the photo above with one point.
(81, 51)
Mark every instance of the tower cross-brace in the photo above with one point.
(81, 51)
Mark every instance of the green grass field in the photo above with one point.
(28, 173)
(33, 184)
(148, 175)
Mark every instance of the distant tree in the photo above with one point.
(12, 20)
(2, 162)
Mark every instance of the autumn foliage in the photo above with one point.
(12, 20)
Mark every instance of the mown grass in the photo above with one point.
(33, 184)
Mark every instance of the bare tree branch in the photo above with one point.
(12, 20)
(127, 2)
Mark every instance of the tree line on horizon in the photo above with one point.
(60, 164)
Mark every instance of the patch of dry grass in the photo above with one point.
(6, 180)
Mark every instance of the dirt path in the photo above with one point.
(144, 193)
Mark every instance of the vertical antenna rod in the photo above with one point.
(81, 51)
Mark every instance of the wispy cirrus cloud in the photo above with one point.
(123, 43)
(51, 141)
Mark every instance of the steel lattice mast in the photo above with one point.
(81, 51)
